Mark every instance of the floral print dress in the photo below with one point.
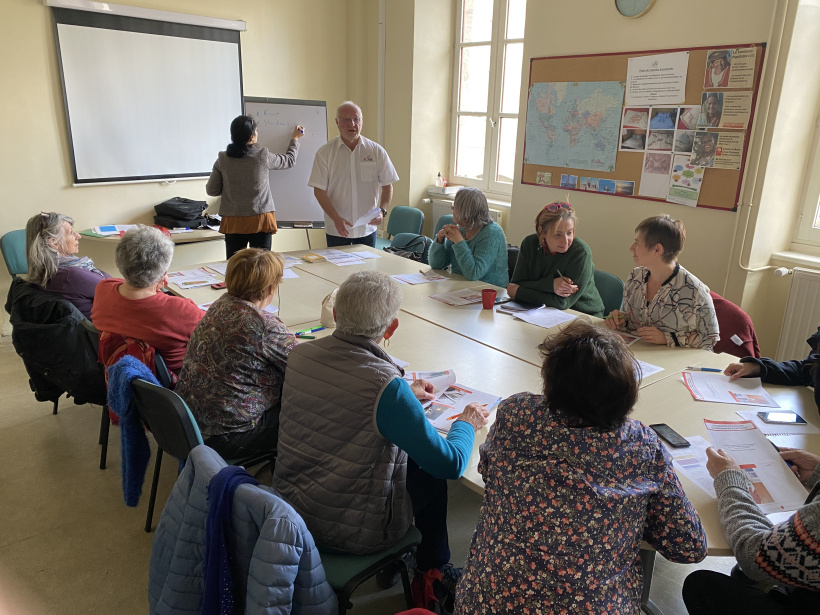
(565, 510)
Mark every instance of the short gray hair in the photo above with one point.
(366, 304)
(471, 209)
(45, 234)
(143, 256)
(349, 103)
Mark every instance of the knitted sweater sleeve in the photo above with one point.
(400, 418)
(477, 260)
(440, 254)
(786, 553)
(538, 287)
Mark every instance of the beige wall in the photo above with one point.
(290, 50)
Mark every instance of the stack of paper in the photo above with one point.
(337, 257)
(422, 277)
(709, 386)
(459, 297)
(545, 317)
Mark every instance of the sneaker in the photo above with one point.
(450, 576)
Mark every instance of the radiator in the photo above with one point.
(802, 314)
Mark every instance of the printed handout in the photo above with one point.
(709, 386)
(647, 369)
(545, 317)
(657, 79)
(289, 274)
(113, 229)
(685, 181)
(774, 487)
(440, 379)
(220, 268)
(450, 403)
(365, 255)
(422, 277)
(729, 150)
(459, 297)
(691, 462)
(655, 175)
(365, 219)
(192, 278)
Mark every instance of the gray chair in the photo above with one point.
(402, 219)
(13, 246)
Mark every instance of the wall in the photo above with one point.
(290, 50)
(607, 223)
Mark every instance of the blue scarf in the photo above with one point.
(218, 596)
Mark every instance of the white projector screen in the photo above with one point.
(146, 99)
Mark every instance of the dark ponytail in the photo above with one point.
(242, 129)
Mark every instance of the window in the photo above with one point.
(487, 83)
(807, 229)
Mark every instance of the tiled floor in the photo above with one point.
(69, 545)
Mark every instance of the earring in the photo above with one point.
(386, 341)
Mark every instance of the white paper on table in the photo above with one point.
(367, 217)
(465, 296)
(422, 277)
(174, 231)
(345, 261)
(289, 274)
(204, 306)
(330, 253)
(290, 261)
(774, 487)
(221, 267)
(398, 361)
(709, 386)
(192, 278)
(545, 317)
(272, 309)
(691, 462)
(440, 380)
(647, 369)
(113, 229)
(365, 254)
(449, 405)
(629, 339)
(773, 429)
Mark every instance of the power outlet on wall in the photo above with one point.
(381, 234)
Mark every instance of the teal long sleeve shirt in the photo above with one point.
(484, 257)
(400, 418)
(535, 273)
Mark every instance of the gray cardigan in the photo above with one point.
(244, 183)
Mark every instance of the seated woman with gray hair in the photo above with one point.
(357, 457)
(474, 246)
(136, 306)
(51, 248)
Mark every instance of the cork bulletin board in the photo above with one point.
(720, 188)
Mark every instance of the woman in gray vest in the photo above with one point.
(357, 458)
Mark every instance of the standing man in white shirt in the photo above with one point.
(352, 176)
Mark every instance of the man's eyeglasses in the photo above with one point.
(350, 120)
(557, 206)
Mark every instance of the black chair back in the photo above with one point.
(168, 418)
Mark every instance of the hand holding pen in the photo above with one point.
(563, 285)
(615, 319)
(475, 414)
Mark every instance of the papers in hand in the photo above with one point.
(192, 278)
(365, 219)
(774, 487)
(451, 398)
(422, 277)
(708, 386)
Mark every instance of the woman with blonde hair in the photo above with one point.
(51, 247)
(554, 267)
(233, 373)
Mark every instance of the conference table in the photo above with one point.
(498, 354)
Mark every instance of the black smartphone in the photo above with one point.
(669, 435)
(782, 418)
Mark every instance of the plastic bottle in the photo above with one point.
(439, 181)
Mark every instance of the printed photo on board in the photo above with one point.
(711, 109)
(718, 66)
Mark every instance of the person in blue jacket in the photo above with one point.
(474, 246)
(804, 372)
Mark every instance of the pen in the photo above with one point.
(704, 369)
(313, 330)
(306, 337)
(455, 416)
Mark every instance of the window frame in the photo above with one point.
(806, 237)
(498, 43)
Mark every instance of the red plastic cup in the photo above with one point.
(488, 298)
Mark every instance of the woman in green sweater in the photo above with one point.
(555, 268)
(474, 246)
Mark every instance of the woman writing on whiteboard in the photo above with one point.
(241, 175)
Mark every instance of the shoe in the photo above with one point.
(450, 576)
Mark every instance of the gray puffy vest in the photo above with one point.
(334, 467)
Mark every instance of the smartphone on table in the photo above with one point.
(669, 435)
(782, 417)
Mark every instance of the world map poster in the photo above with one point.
(574, 125)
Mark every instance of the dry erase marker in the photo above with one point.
(306, 337)
(313, 330)
(704, 369)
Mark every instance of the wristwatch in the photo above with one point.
(384, 212)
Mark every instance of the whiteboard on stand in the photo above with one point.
(296, 207)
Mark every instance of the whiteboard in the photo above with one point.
(292, 197)
(144, 99)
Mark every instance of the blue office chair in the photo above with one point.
(402, 219)
(13, 246)
(611, 290)
(445, 219)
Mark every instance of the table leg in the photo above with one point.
(648, 563)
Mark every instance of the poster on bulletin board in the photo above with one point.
(665, 125)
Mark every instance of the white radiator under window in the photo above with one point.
(802, 314)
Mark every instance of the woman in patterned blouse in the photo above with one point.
(572, 487)
(664, 303)
(233, 372)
